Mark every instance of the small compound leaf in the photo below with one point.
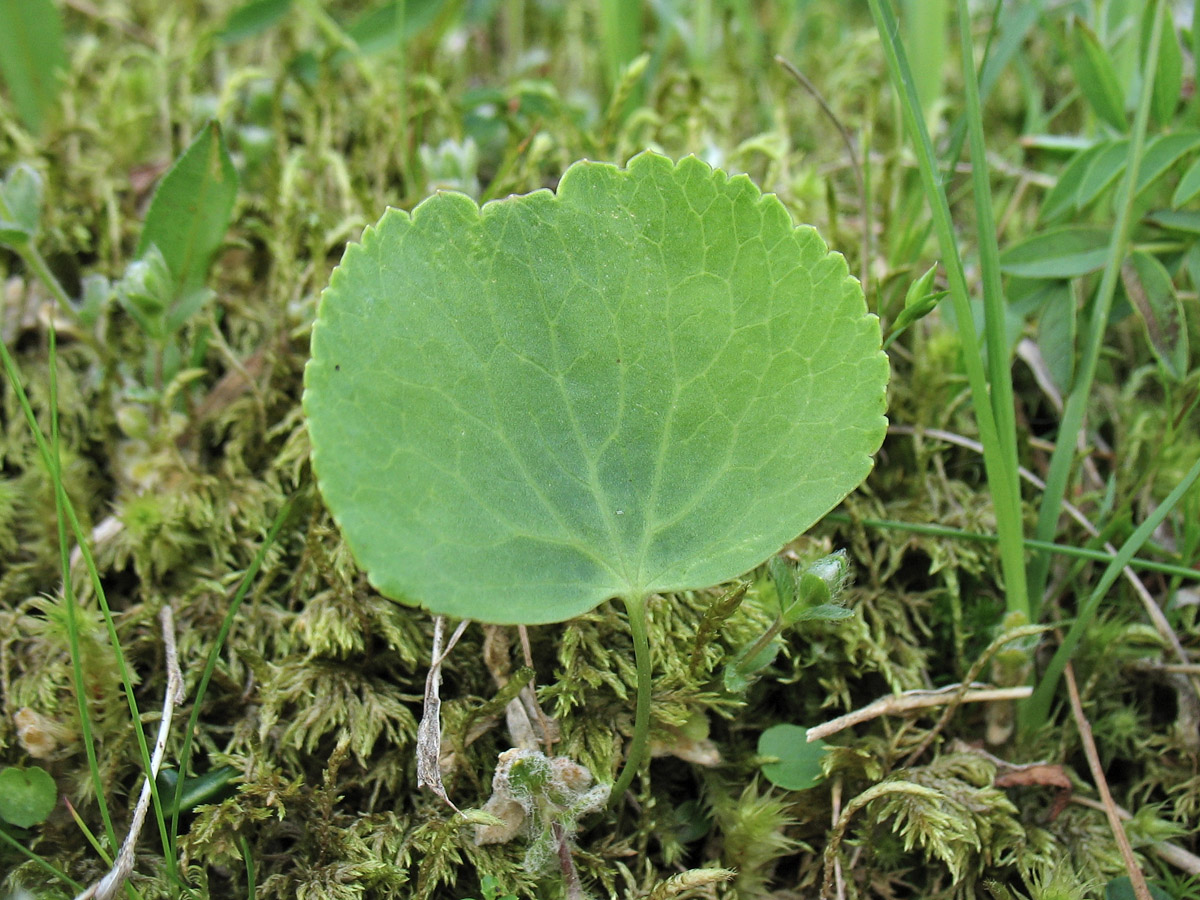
(191, 210)
(1065, 252)
(33, 56)
(27, 796)
(647, 383)
(799, 762)
(1152, 293)
(1096, 77)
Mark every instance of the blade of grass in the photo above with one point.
(1008, 490)
(1034, 712)
(1000, 474)
(16, 845)
(185, 752)
(1071, 427)
(72, 613)
(65, 508)
(1081, 553)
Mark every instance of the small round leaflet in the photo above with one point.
(798, 765)
(27, 796)
(648, 381)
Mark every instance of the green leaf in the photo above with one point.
(799, 765)
(1060, 198)
(1122, 889)
(1168, 74)
(1162, 153)
(20, 205)
(649, 382)
(1189, 185)
(1106, 167)
(1152, 293)
(27, 796)
(192, 209)
(207, 788)
(32, 57)
(1186, 221)
(1056, 334)
(1096, 77)
(253, 18)
(1065, 252)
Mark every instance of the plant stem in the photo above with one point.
(636, 609)
(37, 265)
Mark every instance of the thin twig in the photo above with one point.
(1140, 889)
(867, 248)
(835, 812)
(976, 668)
(896, 704)
(107, 887)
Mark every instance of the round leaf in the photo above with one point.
(799, 766)
(27, 796)
(648, 382)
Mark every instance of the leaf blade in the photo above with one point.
(191, 209)
(580, 417)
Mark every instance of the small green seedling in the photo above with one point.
(810, 594)
(27, 796)
(645, 383)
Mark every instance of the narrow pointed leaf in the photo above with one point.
(648, 382)
(1168, 72)
(32, 57)
(1152, 293)
(1162, 153)
(1096, 77)
(1102, 173)
(1189, 185)
(192, 209)
(1060, 199)
(1058, 253)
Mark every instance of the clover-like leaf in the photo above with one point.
(648, 382)
(797, 761)
(27, 796)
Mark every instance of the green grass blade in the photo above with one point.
(57, 873)
(1012, 559)
(1083, 553)
(185, 752)
(1036, 710)
(66, 509)
(1063, 457)
(1006, 490)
